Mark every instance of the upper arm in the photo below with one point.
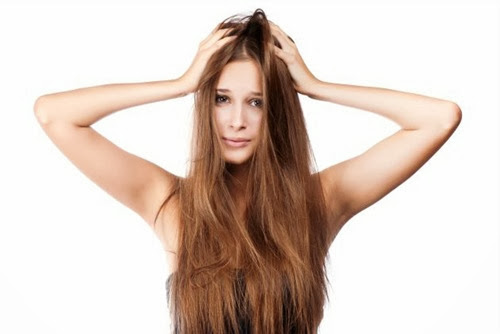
(359, 182)
(135, 182)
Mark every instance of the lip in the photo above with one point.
(236, 142)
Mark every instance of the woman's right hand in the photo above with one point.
(206, 49)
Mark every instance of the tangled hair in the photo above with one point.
(265, 270)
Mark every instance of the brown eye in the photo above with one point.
(259, 102)
(219, 97)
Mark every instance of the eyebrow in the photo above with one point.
(225, 90)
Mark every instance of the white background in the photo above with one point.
(424, 259)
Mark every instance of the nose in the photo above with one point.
(238, 120)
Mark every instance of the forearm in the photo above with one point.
(410, 111)
(85, 106)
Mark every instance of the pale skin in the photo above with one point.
(66, 117)
(238, 115)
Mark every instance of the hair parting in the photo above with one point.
(269, 266)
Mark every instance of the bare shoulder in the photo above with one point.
(139, 184)
(355, 184)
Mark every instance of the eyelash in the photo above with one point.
(218, 102)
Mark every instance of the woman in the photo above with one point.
(249, 228)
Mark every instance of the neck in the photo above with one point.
(238, 179)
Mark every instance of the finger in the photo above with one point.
(223, 41)
(286, 41)
(280, 53)
(210, 49)
(222, 33)
(213, 37)
(278, 32)
(285, 44)
(276, 27)
(216, 28)
(212, 32)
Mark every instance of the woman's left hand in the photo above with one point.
(303, 78)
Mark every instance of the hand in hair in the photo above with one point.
(206, 49)
(302, 77)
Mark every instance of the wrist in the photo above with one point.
(311, 88)
(185, 87)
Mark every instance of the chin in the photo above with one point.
(236, 159)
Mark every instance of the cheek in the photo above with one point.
(256, 121)
(218, 119)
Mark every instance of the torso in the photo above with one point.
(167, 227)
(171, 260)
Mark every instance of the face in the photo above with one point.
(238, 110)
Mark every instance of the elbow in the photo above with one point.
(39, 110)
(453, 116)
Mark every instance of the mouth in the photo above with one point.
(236, 142)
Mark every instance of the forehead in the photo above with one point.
(240, 76)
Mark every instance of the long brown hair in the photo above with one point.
(266, 270)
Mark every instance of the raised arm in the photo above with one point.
(66, 117)
(355, 184)
(85, 106)
(426, 124)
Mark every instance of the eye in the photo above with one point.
(259, 102)
(218, 97)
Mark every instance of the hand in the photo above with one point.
(303, 79)
(206, 49)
